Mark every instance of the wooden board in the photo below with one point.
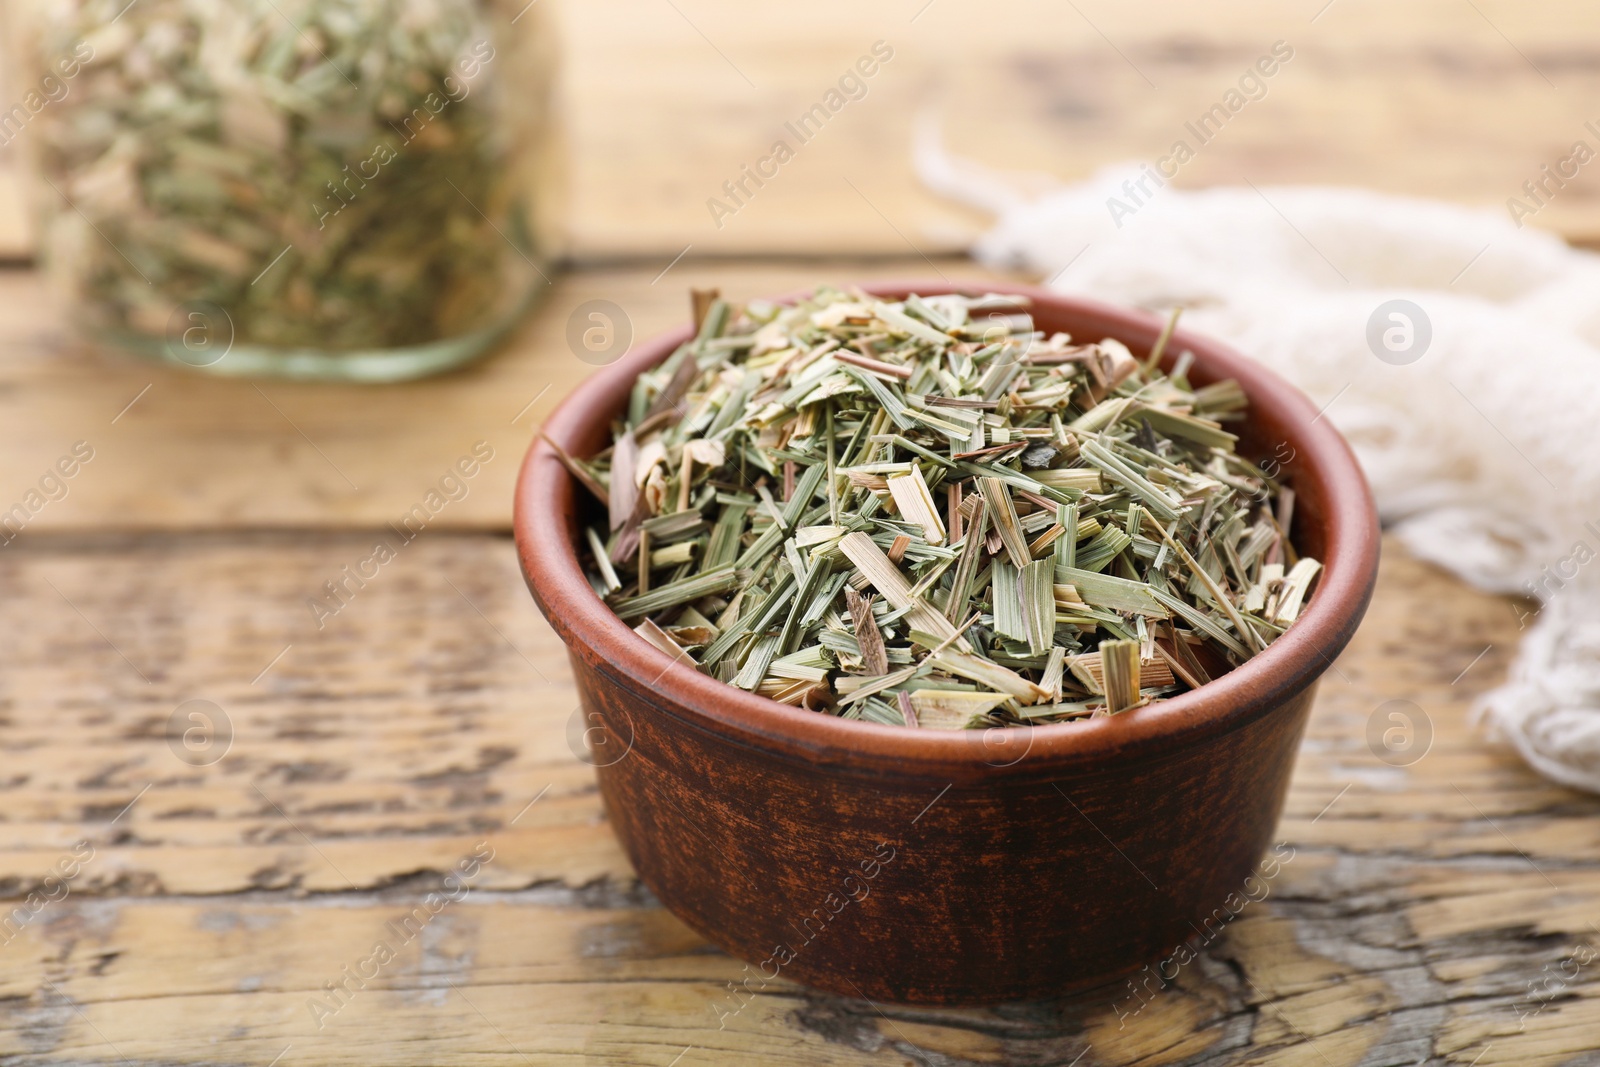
(665, 102)
(1420, 906)
(1462, 101)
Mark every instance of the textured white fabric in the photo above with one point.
(1484, 453)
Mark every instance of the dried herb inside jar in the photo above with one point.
(928, 513)
(326, 171)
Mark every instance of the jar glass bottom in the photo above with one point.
(371, 366)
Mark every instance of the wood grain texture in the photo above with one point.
(1426, 914)
(120, 634)
(1438, 98)
(665, 102)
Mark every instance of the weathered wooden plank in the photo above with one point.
(1430, 911)
(665, 103)
(1439, 99)
(497, 975)
(429, 710)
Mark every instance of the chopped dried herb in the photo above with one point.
(337, 175)
(927, 513)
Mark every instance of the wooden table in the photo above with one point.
(1442, 910)
(429, 721)
(1461, 99)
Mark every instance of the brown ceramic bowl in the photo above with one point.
(949, 867)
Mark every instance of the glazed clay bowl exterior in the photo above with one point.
(950, 867)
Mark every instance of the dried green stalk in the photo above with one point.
(1119, 660)
(873, 656)
(1052, 529)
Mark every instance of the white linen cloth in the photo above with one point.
(1483, 454)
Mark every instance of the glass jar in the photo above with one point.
(324, 189)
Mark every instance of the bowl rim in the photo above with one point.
(546, 495)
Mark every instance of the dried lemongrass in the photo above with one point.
(873, 656)
(911, 496)
(663, 640)
(334, 175)
(872, 562)
(1119, 661)
(927, 514)
(948, 709)
(1287, 603)
(1154, 673)
(997, 499)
